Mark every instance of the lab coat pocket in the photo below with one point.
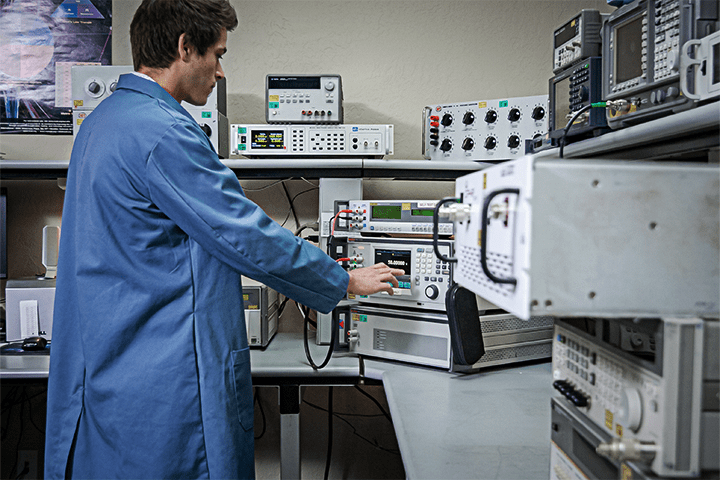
(242, 382)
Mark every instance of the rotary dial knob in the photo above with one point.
(468, 118)
(94, 87)
(514, 115)
(432, 292)
(490, 143)
(468, 144)
(491, 116)
(446, 145)
(513, 141)
(447, 120)
(538, 113)
(330, 86)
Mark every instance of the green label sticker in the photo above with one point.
(503, 103)
(273, 104)
(241, 146)
(206, 114)
(242, 130)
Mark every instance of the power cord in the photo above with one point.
(256, 399)
(330, 433)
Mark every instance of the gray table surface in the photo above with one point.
(494, 424)
(283, 357)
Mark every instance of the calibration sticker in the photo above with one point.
(356, 317)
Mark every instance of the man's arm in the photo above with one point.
(373, 279)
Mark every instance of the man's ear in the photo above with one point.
(185, 48)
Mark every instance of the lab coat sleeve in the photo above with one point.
(188, 183)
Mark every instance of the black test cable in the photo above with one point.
(563, 138)
(333, 329)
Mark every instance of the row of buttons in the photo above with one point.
(588, 377)
(299, 95)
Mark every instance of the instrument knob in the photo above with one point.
(490, 143)
(206, 128)
(468, 144)
(631, 410)
(113, 86)
(514, 115)
(538, 113)
(447, 120)
(491, 116)
(446, 145)
(330, 86)
(432, 292)
(513, 141)
(94, 87)
(468, 118)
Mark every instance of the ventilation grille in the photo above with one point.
(514, 324)
(526, 352)
(470, 269)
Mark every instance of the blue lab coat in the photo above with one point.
(150, 368)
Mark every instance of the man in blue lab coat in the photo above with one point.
(150, 372)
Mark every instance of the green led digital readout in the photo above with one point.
(386, 212)
(421, 212)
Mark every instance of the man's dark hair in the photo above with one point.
(158, 24)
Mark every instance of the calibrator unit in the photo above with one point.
(637, 398)
(91, 84)
(261, 312)
(483, 129)
(303, 99)
(423, 337)
(601, 238)
(287, 141)
(642, 46)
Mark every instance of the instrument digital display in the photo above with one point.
(395, 259)
(267, 139)
(386, 212)
(628, 59)
(300, 83)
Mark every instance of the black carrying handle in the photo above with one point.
(436, 227)
(483, 236)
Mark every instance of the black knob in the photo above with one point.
(583, 93)
(447, 120)
(93, 87)
(514, 115)
(513, 141)
(490, 143)
(446, 145)
(432, 292)
(578, 399)
(468, 118)
(491, 116)
(206, 128)
(538, 113)
(434, 136)
(468, 143)
(560, 385)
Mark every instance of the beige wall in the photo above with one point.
(394, 56)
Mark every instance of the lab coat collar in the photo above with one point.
(150, 87)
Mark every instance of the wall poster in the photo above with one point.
(39, 41)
